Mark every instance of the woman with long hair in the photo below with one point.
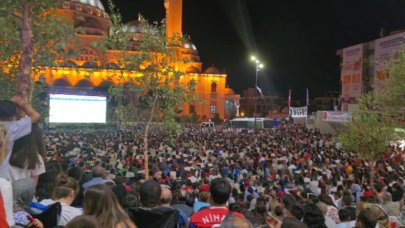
(3, 142)
(28, 156)
(64, 193)
(48, 180)
(101, 202)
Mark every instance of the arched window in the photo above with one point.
(84, 83)
(90, 65)
(111, 65)
(104, 86)
(191, 108)
(192, 84)
(213, 87)
(68, 63)
(61, 82)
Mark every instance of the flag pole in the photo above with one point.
(289, 103)
(307, 101)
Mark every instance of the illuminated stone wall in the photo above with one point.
(95, 69)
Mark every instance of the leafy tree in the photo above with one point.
(150, 81)
(194, 118)
(33, 36)
(373, 125)
(391, 99)
(369, 134)
(216, 119)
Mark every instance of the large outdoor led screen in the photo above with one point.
(77, 109)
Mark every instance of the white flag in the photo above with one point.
(259, 90)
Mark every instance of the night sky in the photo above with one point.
(297, 40)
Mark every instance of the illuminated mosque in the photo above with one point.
(90, 70)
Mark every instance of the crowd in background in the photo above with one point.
(287, 176)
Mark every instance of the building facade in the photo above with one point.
(95, 68)
(265, 105)
(365, 66)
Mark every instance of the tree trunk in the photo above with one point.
(24, 79)
(372, 174)
(145, 137)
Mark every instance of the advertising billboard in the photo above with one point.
(352, 71)
(386, 49)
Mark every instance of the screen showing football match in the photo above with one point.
(77, 109)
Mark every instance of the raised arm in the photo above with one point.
(27, 108)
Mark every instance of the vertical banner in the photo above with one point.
(352, 71)
(386, 49)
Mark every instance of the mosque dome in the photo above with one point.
(134, 30)
(192, 69)
(229, 91)
(133, 27)
(212, 70)
(187, 44)
(94, 3)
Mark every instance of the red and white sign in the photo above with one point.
(336, 116)
(352, 71)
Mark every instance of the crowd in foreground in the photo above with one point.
(282, 177)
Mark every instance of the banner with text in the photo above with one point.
(352, 70)
(386, 49)
(336, 116)
(296, 112)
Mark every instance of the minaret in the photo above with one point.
(174, 14)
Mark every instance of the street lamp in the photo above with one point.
(259, 66)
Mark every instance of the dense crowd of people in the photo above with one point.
(287, 176)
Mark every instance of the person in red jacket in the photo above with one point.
(220, 191)
(3, 220)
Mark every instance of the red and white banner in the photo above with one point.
(352, 71)
(336, 116)
(386, 49)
